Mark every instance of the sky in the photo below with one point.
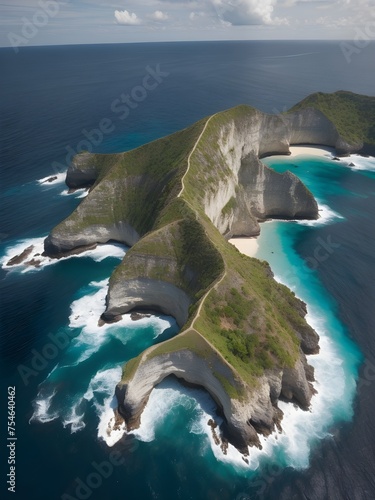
(54, 22)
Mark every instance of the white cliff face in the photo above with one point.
(126, 295)
(183, 364)
(119, 231)
(310, 126)
(93, 222)
(216, 202)
(260, 192)
(255, 412)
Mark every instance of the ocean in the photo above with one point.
(64, 368)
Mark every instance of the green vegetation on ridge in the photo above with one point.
(352, 114)
(180, 253)
(140, 182)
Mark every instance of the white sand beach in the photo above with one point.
(247, 246)
(312, 150)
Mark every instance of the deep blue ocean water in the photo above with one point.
(49, 97)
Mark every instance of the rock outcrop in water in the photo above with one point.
(175, 201)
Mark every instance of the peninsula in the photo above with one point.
(176, 202)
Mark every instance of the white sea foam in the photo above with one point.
(102, 386)
(333, 384)
(78, 193)
(162, 401)
(42, 406)
(82, 193)
(85, 313)
(360, 163)
(100, 253)
(74, 419)
(101, 394)
(302, 428)
(170, 397)
(326, 216)
(60, 177)
(18, 248)
(105, 250)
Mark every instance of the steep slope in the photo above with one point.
(175, 201)
(352, 114)
(127, 192)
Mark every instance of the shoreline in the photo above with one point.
(322, 151)
(248, 246)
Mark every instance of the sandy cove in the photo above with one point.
(247, 246)
(308, 150)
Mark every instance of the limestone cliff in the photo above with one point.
(249, 406)
(353, 117)
(175, 202)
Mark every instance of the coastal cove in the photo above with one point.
(66, 404)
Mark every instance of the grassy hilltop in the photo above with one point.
(352, 114)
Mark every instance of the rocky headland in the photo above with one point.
(176, 202)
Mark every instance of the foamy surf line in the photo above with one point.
(169, 396)
(42, 406)
(100, 390)
(300, 428)
(51, 180)
(34, 260)
(326, 216)
(77, 193)
(102, 384)
(85, 313)
(357, 162)
(335, 367)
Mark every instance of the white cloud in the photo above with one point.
(246, 12)
(196, 15)
(127, 18)
(158, 15)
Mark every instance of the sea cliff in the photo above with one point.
(175, 202)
